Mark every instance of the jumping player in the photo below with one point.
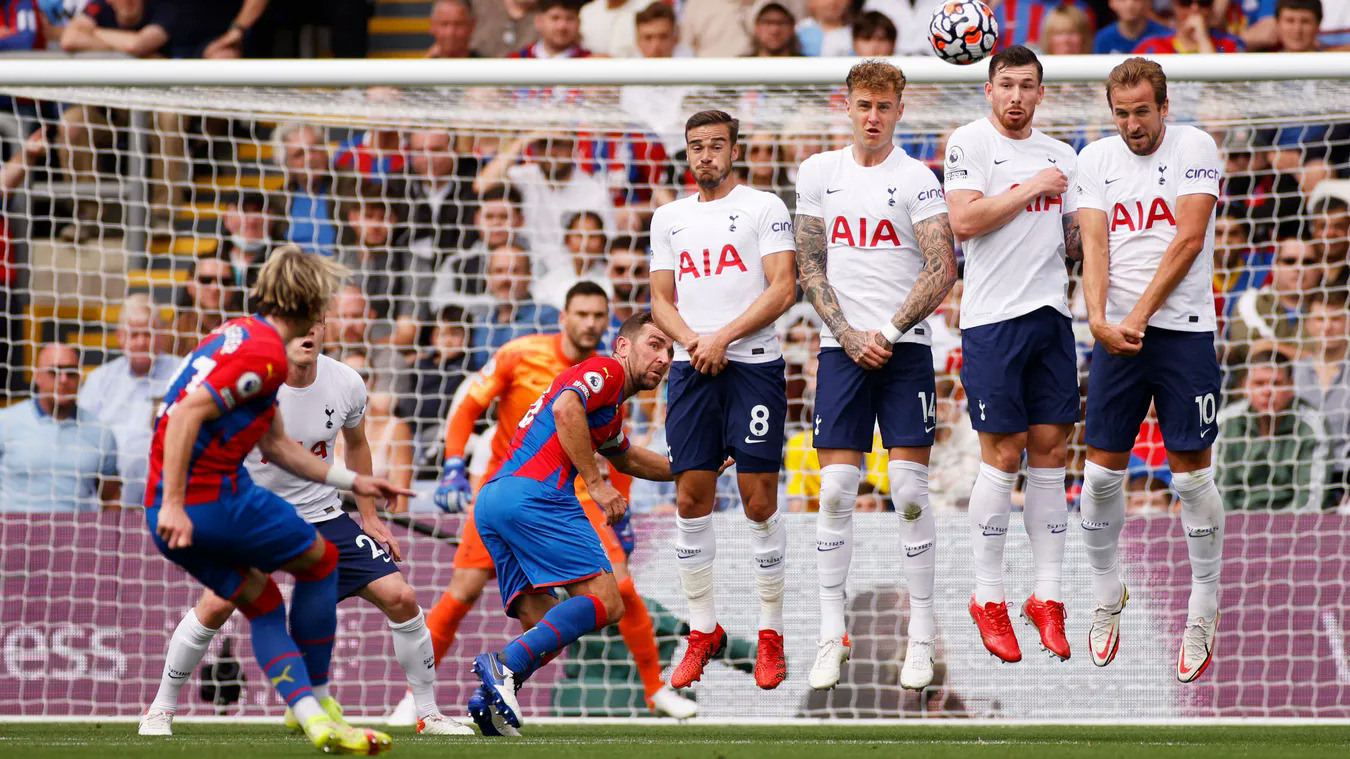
(875, 256)
(206, 515)
(1146, 209)
(518, 373)
(1011, 207)
(321, 398)
(535, 528)
(721, 273)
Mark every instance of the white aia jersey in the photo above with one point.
(313, 416)
(1018, 267)
(1139, 196)
(873, 257)
(715, 249)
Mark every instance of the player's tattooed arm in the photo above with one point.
(809, 232)
(1073, 237)
(935, 278)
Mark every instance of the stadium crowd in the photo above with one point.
(461, 241)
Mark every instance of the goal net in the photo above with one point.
(134, 218)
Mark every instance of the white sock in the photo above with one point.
(1103, 513)
(918, 537)
(186, 648)
(834, 543)
(990, 502)
(412, 648)
(1046, 516)
(307, 707)
(695, 552)
(768, 541)
(320, 691)
(1202, 517)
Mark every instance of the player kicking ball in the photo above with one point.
(1146, 208)
(725, 256)
(206, 515)
(875, 256)
(321, 398)
(534, 527)
(1011, 206)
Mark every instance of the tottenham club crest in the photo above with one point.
(329, 413)
(1162, 174)
(733, 222)
(890, 191)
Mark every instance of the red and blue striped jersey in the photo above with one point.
(536, 452)
(242, 363)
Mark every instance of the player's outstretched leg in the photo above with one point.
(695, 553)
(443, 620)
(313, 626)
(1103, 514)
(187, 646)
(990, 503)
(1046, 518)
(1202, 517)
(834, 552)
(918, 537)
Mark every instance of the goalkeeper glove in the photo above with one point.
(452, 495)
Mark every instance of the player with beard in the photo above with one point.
(722, 273)
(1009, 198)
(1146, 208)
(516, 376)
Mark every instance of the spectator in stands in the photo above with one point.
(194, 29)
(113, 26)
(1322, 378)
(628, 274)
(124, 393)
(303, 154)
(442, 194)
(461, 277)
(874, 35)
(512, 313)
(608, 27)
(374, 153)
(773, 34)
(1238, 266)
(716, 28)
(1272, 447)
(502, 26)
(22, 28)
(1295, 27)
(1252, 21)
(910, 18)
(391, 438)
(278, 31)
(209, 298)
(13, 174)
(348, 328)
(54, 456)
(436, 376)
(1193, 33)
(396, 283)
(248, 238)
(660, 107)
(553, 188)
(558, 25)
(584, 244)
(1019, 23)
(1066, 30)
(1275, 312)
(655, 34)
(1335, 32)
(1331, 233)
(765, 167)
(1133, 25)
(452, 28)
(827, 29)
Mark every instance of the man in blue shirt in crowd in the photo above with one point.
(1132, 27)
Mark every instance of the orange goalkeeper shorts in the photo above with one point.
(472, 554)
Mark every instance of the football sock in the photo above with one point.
(1046, 517)
(768, 542)
(834, 543)
(918, 537)
(320, 690)
(314, 613)
(638, 634)
(412, 648)
(558, 629)
(276, 652)
(990, 502)
(1202, 517)
(443, 622)
(695, 552)
(187, 646)
(1103, 514)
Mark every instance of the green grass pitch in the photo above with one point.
(789, 741)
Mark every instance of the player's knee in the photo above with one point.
(466, 585)
(323, 559)
(1100, 482)
(1191, 483)
(761, 506)
(614, 606)
(266, 602)
(909, 489)
(400, 603)
(1043, 453)
(690, 504)
(839, 489)
(213, 611)
(1004, 458)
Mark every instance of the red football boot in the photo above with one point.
(770, 664)
(1048, 618)
(702, 648)
(996, 629)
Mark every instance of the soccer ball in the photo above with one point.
(963, 31)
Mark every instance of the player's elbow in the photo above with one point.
(963, 226)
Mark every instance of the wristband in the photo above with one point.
(891, 334)
(340, 477)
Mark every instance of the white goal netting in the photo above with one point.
(135, 217)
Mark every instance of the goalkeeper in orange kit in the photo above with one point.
(516, 376)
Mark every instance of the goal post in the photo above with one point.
(139, 196)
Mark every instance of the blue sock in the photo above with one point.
(562, 625)
(278, 656)
(314, 623)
